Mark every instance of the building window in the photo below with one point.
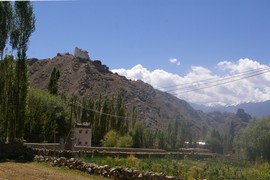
(80, 131)
(86, 132)
(85, 142)
(80, 142)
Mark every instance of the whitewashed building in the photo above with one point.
(82, 134)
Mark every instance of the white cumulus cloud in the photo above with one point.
(244, 81)
(175, 61)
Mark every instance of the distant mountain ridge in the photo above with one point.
(90, 78)
(259, 109)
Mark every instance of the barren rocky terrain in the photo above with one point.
(90, 78)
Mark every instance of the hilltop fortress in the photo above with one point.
(83, 55)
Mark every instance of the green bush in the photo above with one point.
(254, 141)
(15, 151)
(110, 139)
(125, 141)
(113, 139)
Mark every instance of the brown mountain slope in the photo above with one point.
(92, 79)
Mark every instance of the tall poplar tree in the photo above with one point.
(6, 95)
(52, 86)
(6, 69)
(22, 27)
(5, 24)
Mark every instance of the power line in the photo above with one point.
(222, 83)
(101, 113)
(113, 115)
(214, 80)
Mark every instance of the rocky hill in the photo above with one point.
(84, 77)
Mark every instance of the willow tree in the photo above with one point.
(23, 25)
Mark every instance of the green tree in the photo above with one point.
(7, 86)
(114, 139)
(110, 139)
(6, 72)
(46, 117)
(125, 141)
(137, 134)
(149, 138)
(23, 25)
(5, 24)
(173, 133)
(215, 141)
(53, 82)
(161, 140)
(253, 142)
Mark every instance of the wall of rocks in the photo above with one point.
(117, 173)
(80, 53)
(100, 152)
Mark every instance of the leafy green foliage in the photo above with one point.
(17, 24)
(114, 139)
(46, 117)
(5, 24)
(137, 134)
(254, 141)
(22, 27)
(190, 169)
(8, 101)
(125, 141)
(110, 139)
(104, 114)
(52, 87)
(215, 142)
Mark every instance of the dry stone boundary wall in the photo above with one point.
(117, 173)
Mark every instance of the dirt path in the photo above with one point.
(38, 171)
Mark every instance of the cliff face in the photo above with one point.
(85, 77)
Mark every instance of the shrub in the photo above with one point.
(113, 139)
(125, 141)
(110, 139)
(15, 151)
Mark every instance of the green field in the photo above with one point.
(191, 169)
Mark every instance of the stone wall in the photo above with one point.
(104, 171)
(81, 54)
(101, 67)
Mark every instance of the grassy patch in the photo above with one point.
(67, 171)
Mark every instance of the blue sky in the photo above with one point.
(123, 33)
(161, 39)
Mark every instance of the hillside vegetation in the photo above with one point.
(73, 88)
(68, 89)
(84, 79)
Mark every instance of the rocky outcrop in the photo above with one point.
(243, 115)
(104, 171)
(156, 109)
(101, 67)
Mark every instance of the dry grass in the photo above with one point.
(37, 171)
